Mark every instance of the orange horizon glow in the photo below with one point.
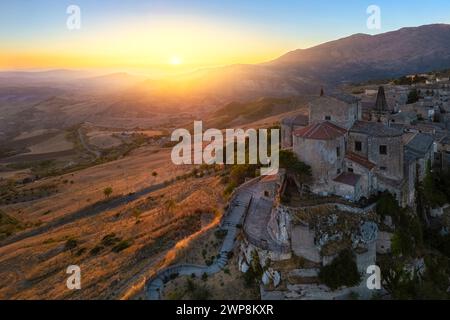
(163, 44)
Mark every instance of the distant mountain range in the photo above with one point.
(362, 57)
(356, 58)
(302, 72)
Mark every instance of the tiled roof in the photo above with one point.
(404, 116)
(445, 139)
(360, 160)
(348, 178)
(321, 131)
(347, 98)
(376, 129)
(420, 143)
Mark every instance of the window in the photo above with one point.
(338, 171)
(338, 152)
(328, 118)
(350, 170)
(358, 146)
(383, 168)
(383, 149)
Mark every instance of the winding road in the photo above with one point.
(234, 216)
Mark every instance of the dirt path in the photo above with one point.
(86, 146)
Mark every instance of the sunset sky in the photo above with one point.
(187, 34)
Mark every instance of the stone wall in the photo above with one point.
(321, 155)
(302, 241)
(391, 164)
(353, 137)
(336, 111)
(367, 181)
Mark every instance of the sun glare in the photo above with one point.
(175, 61)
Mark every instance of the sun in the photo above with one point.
(175, 60)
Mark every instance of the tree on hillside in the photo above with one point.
(301, 171)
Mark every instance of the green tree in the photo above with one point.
(301, 171)
(413, 96)
(342, 271)
(387, 205)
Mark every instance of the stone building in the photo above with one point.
(379, 144)
(342, 110)
(420, 147)
(289, 125)
(353, 158)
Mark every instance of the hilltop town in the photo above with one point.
(371, 158)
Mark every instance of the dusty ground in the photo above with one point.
(116, 248)
(31, 134)
(103, 140)
(56, 144)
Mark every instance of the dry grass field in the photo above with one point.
(116, 248)
(57, 143)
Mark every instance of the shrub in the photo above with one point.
(201, 293)
(107, 192)
(80, 252)
(387, 205)
(220, 234)
(71, 244)
(110, 240)
(122, 245)
(96, 250)
(173, 276)
(342, 271)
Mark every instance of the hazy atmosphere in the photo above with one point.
(224, 150)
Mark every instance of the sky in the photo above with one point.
(183, 34)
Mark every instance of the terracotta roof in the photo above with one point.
(273, 177)
(363, 161)
(348, 178)
(321, 131)
(270, 178)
